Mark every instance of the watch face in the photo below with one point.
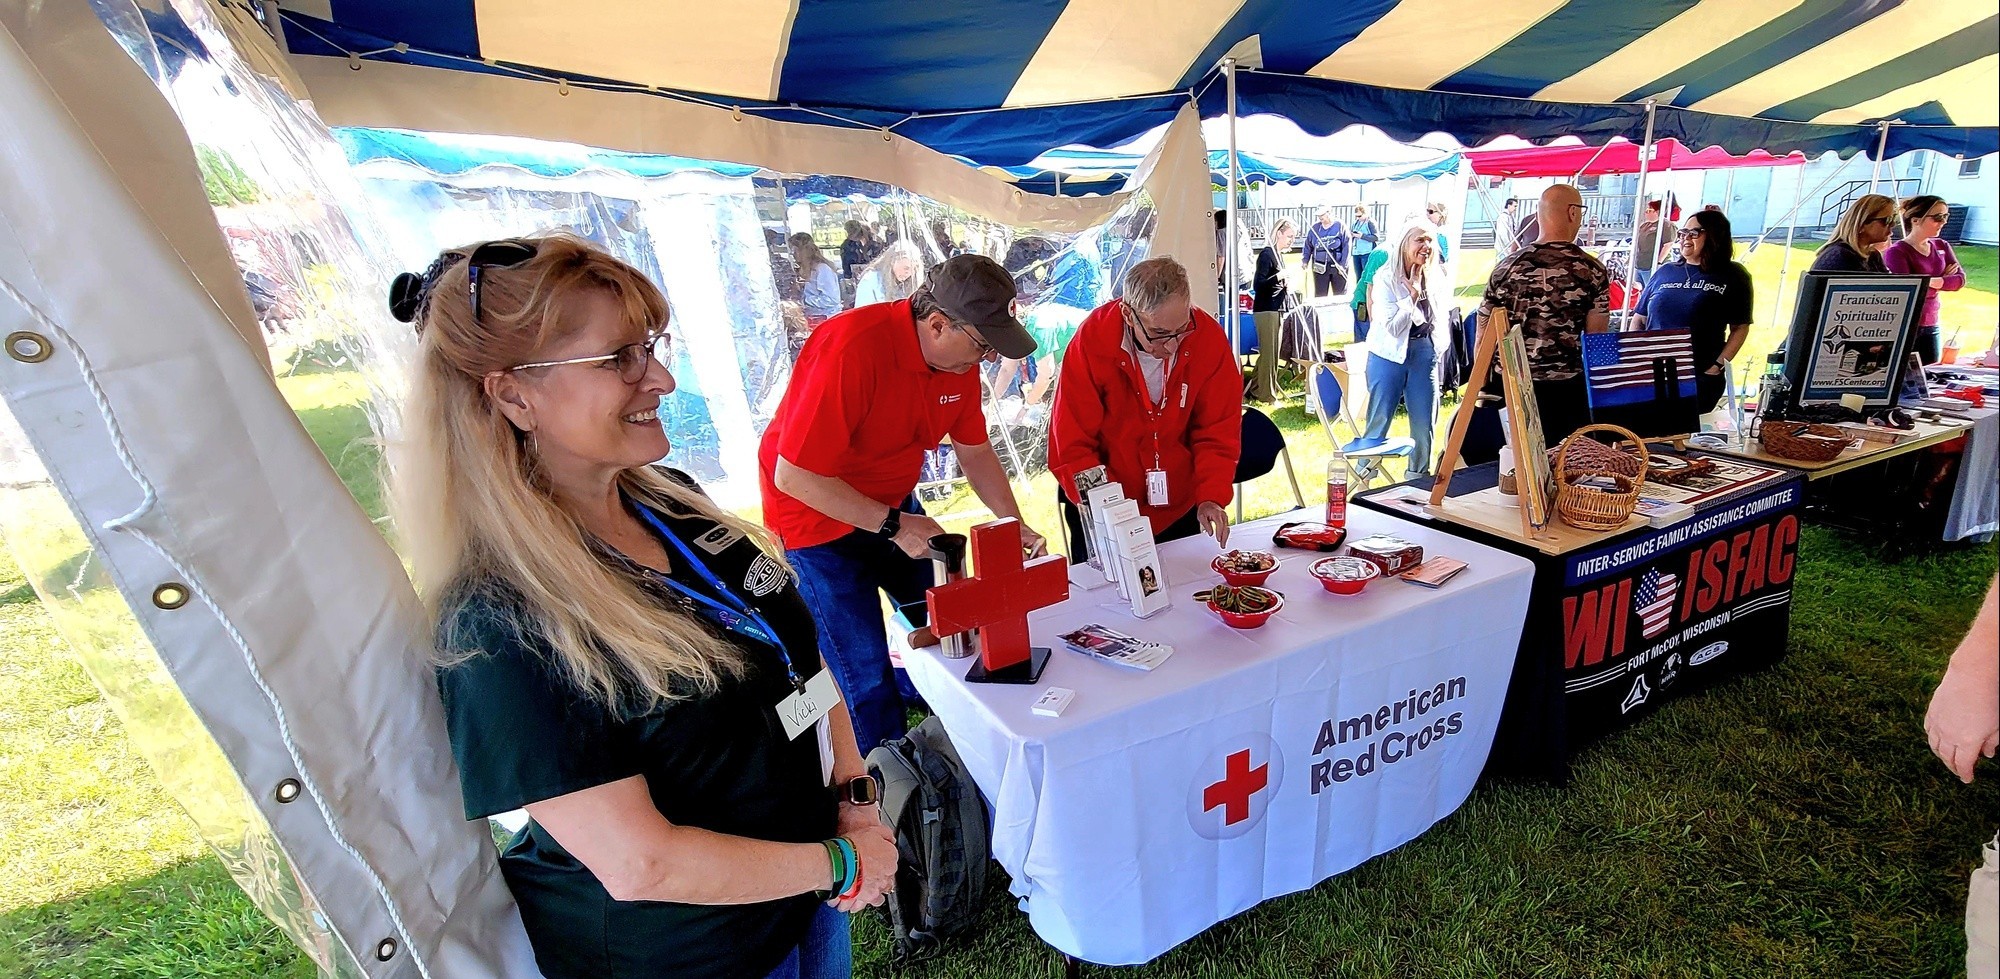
(862, 790)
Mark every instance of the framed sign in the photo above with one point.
(1524, 421)
(1849, 336)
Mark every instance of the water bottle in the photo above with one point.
(1338, 473)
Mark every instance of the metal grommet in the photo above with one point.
(171, 595)
(29, 347)
(385, 949)
(287, 791)
(354, 60)
(562, 86)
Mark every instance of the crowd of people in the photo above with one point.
(614, 648)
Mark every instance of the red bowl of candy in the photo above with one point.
(1345, 575)
(1245, 567)
(1242, 606)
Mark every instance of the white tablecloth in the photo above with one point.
(1975, 500)
(1103, 816)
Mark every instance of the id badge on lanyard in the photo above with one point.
(810, 700)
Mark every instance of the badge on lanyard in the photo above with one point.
(1156, 487)
(800, 711)
(809, 700)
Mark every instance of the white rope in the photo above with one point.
(128, 524)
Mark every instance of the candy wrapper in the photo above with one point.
(1309, 536)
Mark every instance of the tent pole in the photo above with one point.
(1638, 205)
(1881, 149)
(1229, 287)
(1058, 175)
(1231, 274)
(1791, 226)
(1593, 159)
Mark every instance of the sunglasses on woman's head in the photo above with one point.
(503, 254)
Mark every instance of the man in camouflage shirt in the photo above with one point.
(1555, 292)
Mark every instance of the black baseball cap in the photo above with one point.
(976, 291)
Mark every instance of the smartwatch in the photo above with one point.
(861, 790)
(891, 523)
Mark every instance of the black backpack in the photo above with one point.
(941, 837)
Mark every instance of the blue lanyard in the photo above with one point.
(740, 619)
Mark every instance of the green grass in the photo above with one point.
(1790, 824)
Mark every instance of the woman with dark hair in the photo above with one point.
(1858, 239)
(1923, 251)
(1706, 293)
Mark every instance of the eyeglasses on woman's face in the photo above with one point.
(1688, 234)
(630, 361)
(1938, 217)
(1881, 219)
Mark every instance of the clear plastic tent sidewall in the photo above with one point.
(149, 449)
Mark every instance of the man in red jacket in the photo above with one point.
(1149, 391)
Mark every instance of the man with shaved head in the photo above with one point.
(1554, 292)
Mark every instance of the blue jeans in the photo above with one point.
(1414, 381)
(827, 952)
(842, 582)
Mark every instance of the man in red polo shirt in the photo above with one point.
(1149, 390)
(875, 388)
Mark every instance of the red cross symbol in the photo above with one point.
(1239, 783)
(997, 599)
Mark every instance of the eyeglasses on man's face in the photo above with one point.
(1579, 210)
(985, 349)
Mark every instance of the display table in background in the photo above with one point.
(1923, 436)
(1251, 764)
(1936, 481)
(1621, 621)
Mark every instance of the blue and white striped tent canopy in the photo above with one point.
(1082, 171)
(1002, 81)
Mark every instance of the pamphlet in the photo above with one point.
(1107, 504)
(1085, 481)
(1112, 646)
(1434, 572)
(1139, 571)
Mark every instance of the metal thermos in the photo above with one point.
(947, 566)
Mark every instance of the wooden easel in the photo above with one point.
(1523, 421)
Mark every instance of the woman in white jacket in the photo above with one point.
(1410, 337)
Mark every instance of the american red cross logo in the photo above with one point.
(1239, 783)
(997, 599)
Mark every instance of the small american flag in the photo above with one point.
(1654, 601)
(1630, 368)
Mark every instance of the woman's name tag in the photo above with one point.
(800, 711)
(1156, 487)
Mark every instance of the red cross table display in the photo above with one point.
(996, 599)
(1239, 783)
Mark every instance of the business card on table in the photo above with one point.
(1054, 701)
(1434, 572)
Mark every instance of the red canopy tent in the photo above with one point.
(1617, 156)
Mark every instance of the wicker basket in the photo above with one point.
(1821, 443)
(1591, 456)
(1589, 507)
